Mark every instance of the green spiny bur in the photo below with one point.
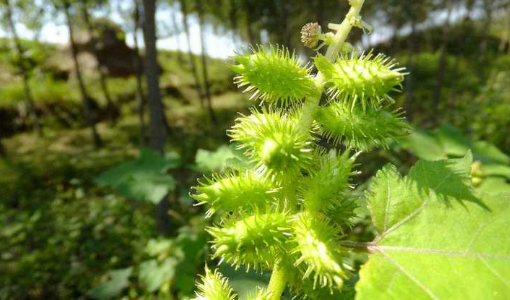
(304, 289)
(273, 141)
(230, 192)
(360, 129)
(316, 240)
(364, 79)
(326, 186)
(214, 286)
(274, 75)
(254, 241)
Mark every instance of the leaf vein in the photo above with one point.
(482, 227)
(410, 276)
(404, 220)
(499, 276)
(388, 200)
(439, 252)
(413, 213)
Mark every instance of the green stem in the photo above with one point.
(342, 31)
(278, 278)
(278, 282)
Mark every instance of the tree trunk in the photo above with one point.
(88, 105)
(249, 17)
(442, 62)
(191, 57)
(103, 77)
(233, 20)
(409, 80)
(3, 153)
(505, 40)
(204, 63)
(24, 72)
(484, 38)
(137, 64)
(157, 119)
(285, 8)
(465, 26)
(177, 30)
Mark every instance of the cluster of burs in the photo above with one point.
(287, 207)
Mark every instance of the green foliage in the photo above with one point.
(425, 244)
(154, 274)
(213, 160)
(142, 179)
(447, 142)
(65, 233)
(118, 280)
(167, 269)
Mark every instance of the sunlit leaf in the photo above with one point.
(118, 280)
(432, 249)
(154, 274)
(213, 160)
(142, 179)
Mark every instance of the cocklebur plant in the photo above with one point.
(287, 209)
(286, 214)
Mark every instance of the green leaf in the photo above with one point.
(494, 185)
(245, 282)
(487, 153)
(158, 247)
(213, 160)
(154, 274)
(449, 179)
(119, 279)
(431, 249)
(454, 143)
(496, 170)
(142, 179)
(424, 145)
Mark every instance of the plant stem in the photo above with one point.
(278, 278)
(278, 282)
(342, 31)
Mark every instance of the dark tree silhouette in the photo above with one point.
(191, 57)
(157, 119)
(138, 66)
(88, 103)
(22, 68)
(205, 74)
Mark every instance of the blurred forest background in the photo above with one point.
(103, 133)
